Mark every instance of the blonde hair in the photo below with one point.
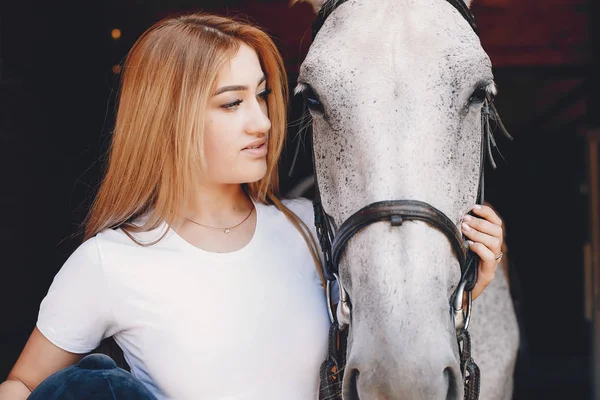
(157, 143)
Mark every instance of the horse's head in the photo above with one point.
(395, 89)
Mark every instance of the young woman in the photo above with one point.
(190, 258)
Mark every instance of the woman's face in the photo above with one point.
(237, 122)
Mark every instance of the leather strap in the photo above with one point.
(397, 211)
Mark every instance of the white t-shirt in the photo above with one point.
(251, 324)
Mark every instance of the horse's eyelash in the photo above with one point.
(491, 89)
(300, 87)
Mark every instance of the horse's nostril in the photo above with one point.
(351, 392)
(450, 379)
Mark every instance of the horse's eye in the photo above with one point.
(480, 94)
(311, 99)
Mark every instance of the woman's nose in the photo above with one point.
(258, 119)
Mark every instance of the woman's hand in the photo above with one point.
(486, 237)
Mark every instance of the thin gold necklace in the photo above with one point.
(225, 230)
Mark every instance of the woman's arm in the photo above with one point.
(13, 389)
(40, 359)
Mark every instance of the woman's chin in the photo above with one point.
(254, 174)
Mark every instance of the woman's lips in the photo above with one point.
(260, 151)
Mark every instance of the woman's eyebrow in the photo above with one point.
(237, 88)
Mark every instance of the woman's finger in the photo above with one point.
(484, 253)
(487, 268)
(483, 226)
(488, 213)
(492, 243)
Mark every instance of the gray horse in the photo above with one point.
(396, 90)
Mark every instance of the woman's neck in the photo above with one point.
(218, 205)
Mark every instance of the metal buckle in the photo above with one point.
(462, 318)
(343, 309)
(342, 315)
(332, 317)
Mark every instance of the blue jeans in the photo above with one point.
(95, 377)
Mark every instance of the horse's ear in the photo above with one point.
(316, 4)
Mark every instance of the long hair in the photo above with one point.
(157, 144)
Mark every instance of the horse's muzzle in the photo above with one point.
(444, 388)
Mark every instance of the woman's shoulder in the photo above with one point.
(87, 251)
(121, 241)
(301, 202)
(135, 234)
(302, 207)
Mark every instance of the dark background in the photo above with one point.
(57, 91)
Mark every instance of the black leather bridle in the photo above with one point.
(396, 212)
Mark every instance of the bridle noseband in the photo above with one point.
(396, 212)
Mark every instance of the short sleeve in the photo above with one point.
(76, 313)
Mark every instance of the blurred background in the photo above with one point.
(59, 72)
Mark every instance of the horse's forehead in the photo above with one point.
(365, 32)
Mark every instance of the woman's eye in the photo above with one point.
(264, 94)
(311, 99)
(233, 105)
